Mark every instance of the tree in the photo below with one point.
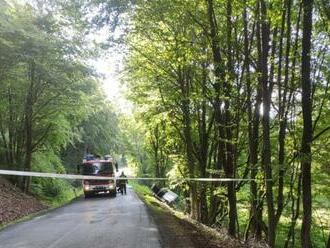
(218, 92)
(45, 84)
(307, 138)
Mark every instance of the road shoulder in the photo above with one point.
(177, 230)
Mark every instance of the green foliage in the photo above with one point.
(54, 192)
(99, 133)
(140, 189)
(175, 76)
(52, 106)
(193, 71)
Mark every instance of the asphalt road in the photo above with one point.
(99, 222)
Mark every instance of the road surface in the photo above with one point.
(99, 222)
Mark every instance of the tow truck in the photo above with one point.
(105, 167)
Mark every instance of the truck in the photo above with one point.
(105, 167)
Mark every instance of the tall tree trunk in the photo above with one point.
(283, 106)
(187, 132)
(28, 128)
(253, 134)
(307, 137)
(266, 101)
(230, 144)
(223, 120)
(203, 149)
(155, 146)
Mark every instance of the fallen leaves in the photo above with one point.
(14, 204)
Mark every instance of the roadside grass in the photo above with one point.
(321, 219)
(146, 195)
(140, 189)
(66, 197)
(181, 225)
(321, 216)
(55, 192)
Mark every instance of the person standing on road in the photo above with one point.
(122, 182)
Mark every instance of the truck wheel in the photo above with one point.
(87, 195)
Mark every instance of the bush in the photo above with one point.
(50, 190)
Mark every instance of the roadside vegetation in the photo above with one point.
(234, 89)
(53, 110)
(221, 89)
(179, 230)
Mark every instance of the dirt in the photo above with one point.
(14, 204)
(178, 230)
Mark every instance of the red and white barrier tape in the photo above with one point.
(82, 177)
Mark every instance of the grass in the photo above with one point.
(146, 195)
(178, 225)
(63, 198)
(321, 216)
(320, 226)
(140, 189)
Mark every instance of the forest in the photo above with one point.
(234, 89)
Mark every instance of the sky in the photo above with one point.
(109, 66)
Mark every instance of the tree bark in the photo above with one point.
(283, 106)
(307, 137)
(187, 132)
(230, 144)
(253, 134)
(266, 101)
(223, 118)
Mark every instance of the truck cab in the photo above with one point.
(105, 167)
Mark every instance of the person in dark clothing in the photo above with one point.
(122, 182)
